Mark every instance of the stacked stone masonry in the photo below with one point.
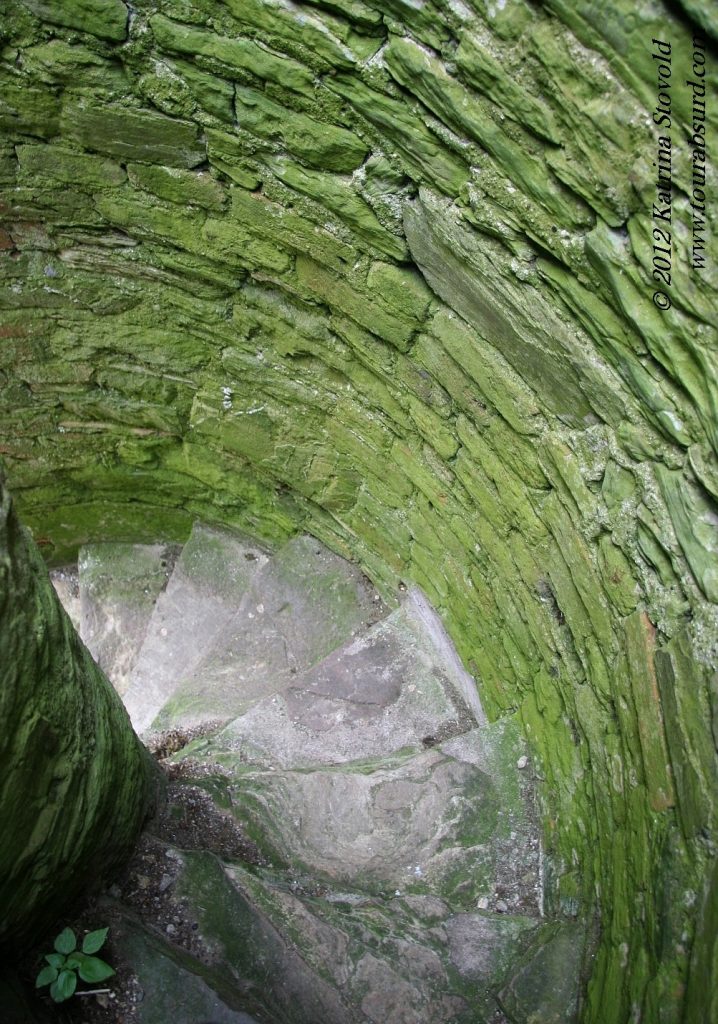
(380, 272)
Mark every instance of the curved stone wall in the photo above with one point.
(382, 271)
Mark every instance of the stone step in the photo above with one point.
(305, 602)
(289, 949)
(205, 591)
(336, 957)
(533, 970)
(393, 687)
(426, 822)
(458, 820)
(118, 587)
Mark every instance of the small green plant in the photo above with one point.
(64, 965)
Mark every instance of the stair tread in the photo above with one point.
(426, 820)
(118, 587)
(207, 586)
(302, 604)
(387, 689)
(351, 957)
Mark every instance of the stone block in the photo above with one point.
(119, 584)
(27, 109)
(130, 134)
(546, 989)
(56, 163)
(421, 151)
(285, 29)
(316, 143)
(339, 195)
(178, 186)
(104, 18)
(241, 57)
(352, 301)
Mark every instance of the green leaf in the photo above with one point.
(55, 960)
(46, 976)
(64, 987)
(65, 941)
(94, 969)
(74, 960)
(94, 940)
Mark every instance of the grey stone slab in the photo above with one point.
(343, 961)
(320, 599)
(385, 690)
(426, 822)
(484, 946)
(206, 589)
(118, 586)
(303, 603)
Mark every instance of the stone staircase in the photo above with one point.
(370, 852)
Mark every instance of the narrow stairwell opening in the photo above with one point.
(345, 837)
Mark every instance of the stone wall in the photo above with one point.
(381, 271)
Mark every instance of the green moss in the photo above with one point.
(316, 143)
(177, 186)
(133, 134)
(241, 56)
(104, 18)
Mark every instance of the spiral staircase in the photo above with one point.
(370, 852)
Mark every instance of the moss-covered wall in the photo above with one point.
(76, 782)
(381, 271)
